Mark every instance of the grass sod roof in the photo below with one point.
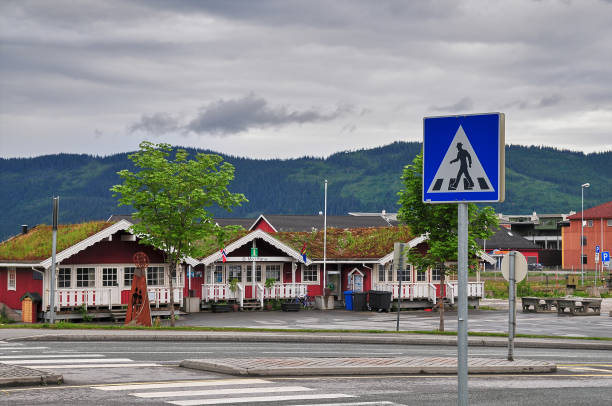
(341, 243)
(371, 242)
(37, 243)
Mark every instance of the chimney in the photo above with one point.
(24, 229)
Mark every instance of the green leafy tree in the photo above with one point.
(439, 222)
(172, 196)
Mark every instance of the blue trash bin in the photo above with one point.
(348, 299)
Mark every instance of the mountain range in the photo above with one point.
(542, 179)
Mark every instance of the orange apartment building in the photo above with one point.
(597, 232)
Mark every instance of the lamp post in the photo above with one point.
(582, 231)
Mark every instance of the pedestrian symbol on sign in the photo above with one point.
(448, 178)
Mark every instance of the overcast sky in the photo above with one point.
(285, 78)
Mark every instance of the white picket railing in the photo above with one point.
(427, 291)
(216, 292)
(285, 291)
(109, 296)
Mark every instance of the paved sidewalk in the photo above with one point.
(11, 375)
(363, 366)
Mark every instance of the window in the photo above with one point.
(589, 223)
(249, 273)
(390, 273)
(273, 272)
(584, 259)
(109, 277)
(381, 273)
(12, 279)
(584, 240)
(155, 276)
(235, 272)
(218, 274)
(310, 274)
(128, 275)
(404, 274)
(436, 274)
(63, 277)
(609, 222)
(421, 276)
(176, 282)
(86, 277)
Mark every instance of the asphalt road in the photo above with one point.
(584, 376)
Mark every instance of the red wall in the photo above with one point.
(114, 252)
(571, 243)
(264, 226)
(367, 276)
(25, 283)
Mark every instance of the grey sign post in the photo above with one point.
(463, 162)
(53, 249)
(399, 263)
(514, 269)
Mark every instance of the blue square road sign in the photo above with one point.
(463, 158)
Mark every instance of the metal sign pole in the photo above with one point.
(399, 301)
(53, 251)
(512, 306)
(462, 315)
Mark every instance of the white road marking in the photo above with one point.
(23, 348)
(379, 402)
(51, 356)
(181, 384)
(69, 360)
(257, 399)
(217, 392)
(124, 365)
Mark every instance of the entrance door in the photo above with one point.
(355, 280)
(334, 279)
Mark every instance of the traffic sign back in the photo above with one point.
(463, 158)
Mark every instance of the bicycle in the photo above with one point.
(306, 301)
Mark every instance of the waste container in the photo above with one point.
(380, 300)
(359, 301)
(348, 299)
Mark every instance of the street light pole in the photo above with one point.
(582, 231)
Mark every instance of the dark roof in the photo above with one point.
(118, 217)
(597, 212)
(297, 223)
(245, 223)
(507, 239)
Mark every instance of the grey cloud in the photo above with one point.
(550, 100)
(462, 105)
(226, 117)
(156, 124)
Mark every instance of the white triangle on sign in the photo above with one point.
(460, 170)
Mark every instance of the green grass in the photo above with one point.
(83, 326)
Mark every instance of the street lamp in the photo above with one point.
(582, 231)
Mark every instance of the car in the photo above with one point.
(535, 266)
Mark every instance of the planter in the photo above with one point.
(268, 306)
(290, 307)
(221, 307)
(236, 307)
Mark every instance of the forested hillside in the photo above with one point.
(538, 178)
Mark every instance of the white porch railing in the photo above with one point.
(285, 291)
(423, 290)
(260, 294)
(216, 292)
(161, 295)
(109, 296)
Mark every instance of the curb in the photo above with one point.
(434, 366)
(329, 339)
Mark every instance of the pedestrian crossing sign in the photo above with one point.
(463, 158)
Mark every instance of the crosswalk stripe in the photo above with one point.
(182, 384)
(377, 403)
(69, 360)
(216, 392)
(51, 356)
(123, 365)
(258, 399)
(22, 348)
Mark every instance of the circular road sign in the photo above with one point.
(520, 267)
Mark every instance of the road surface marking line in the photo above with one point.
(216, 392)
(589, 369)
(257, 399)
(187, 384)
(584, 365)
(65, 361)
(380, 402)
(134, 365)
(51, 356)
(23, 348)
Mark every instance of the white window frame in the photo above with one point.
(90, 283)
(128, 270)
(234, 269)
(589, 223)
(62, 270)
(436, 275)
(11, 279)
(159, 272)
(421, 276)
(249, 270)
(310, 269)
(407, 272)
(381, 272)
(609, 222)
(106, 271)
(280, 271)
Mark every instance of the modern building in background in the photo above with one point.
(597, 232)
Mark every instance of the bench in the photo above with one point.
(579, 307)
(532, 304)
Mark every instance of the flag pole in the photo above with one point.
(325, 240)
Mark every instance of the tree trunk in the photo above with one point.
(441, 328)
(173, 270)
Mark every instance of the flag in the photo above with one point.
(223, 255)
(303, 252)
